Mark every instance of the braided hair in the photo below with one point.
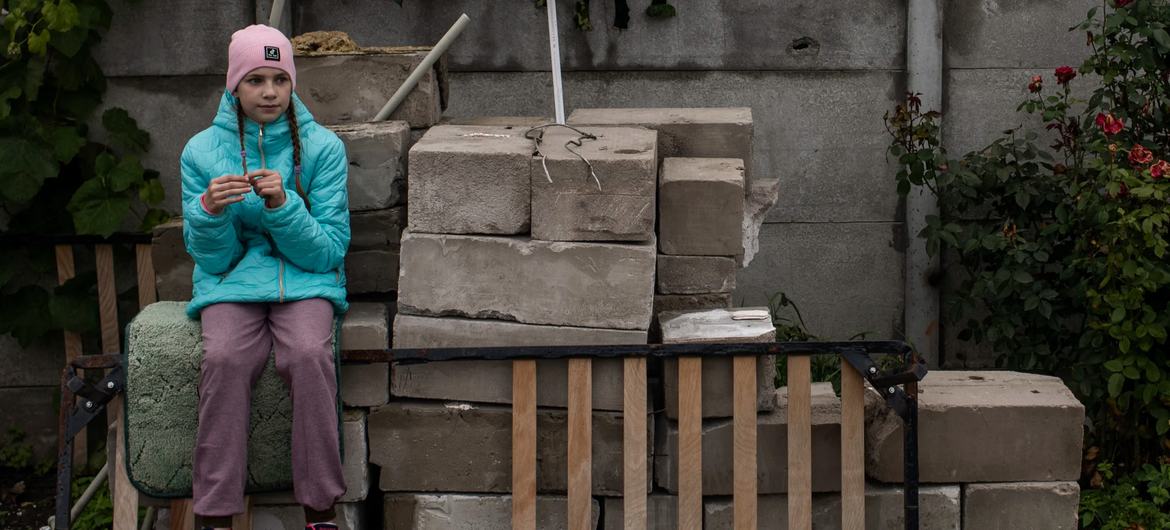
(294, 131)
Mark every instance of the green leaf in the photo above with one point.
(151, 191)
(66, 143)
(1117, 315)
(97, 209)
(124, 131)
(1148, 393)
(26, 166)
(9, 93)
(1022, 199)
(153, 218)
(1115, 382)
(1114, 365)
(1131, 372)
(127, 173)
(74, 304)
(38, 42)
(68, 43)
(1153, 374)
(1022, 276)
(1162, 38)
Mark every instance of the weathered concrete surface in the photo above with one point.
(569, 205)
(762, 195)
(376, 153)
(724, 34)
(371, 271)
(1014, 34)
(33, 410)
(968, 421)
(845, 278)
(772, 442)
(470, 180)
(39, 364)
(354, 460)
(173, 266)
(453, 511)
(190, 103)
(685, 132)
(521, 123)
(352, 88)
(282, 517)
(609, 285)
(700, 207)
(688, 302)
(1049, 505)
(425, 447)
(491, 381)
(144, 38)
(377, 229)
(365, 385)
(716, 326)
(939, 509)
(695, 274)
(366, 327)
(661, 512)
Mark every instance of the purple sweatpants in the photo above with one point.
(237, 338)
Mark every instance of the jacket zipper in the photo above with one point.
(280, 278)
(280, 261)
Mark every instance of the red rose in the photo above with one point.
(1140, 155)
(1064, 74)
(1036, 84)
(1109, 124)
(1159, 169)
(1121, 3)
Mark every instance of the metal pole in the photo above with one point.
(427, 63)
(554, 48)
(910, 455)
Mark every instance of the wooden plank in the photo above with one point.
(66, 270)
(107, 298)
(580, 444)
(690, 443)
(524, 445)
(852, 448)
(243, 521)
(744, 427)
(182, 515)
(147, 289)
(634, 443)
(799, 443)
(125, 496)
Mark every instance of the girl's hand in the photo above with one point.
(223, 191)
(270, 185)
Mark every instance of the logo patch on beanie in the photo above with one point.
(272, 53)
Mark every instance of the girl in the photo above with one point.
(266, 219)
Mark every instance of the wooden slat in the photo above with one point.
(580, 444)
(65, 272)
(799, 443)
(690, 443)
(243, 521)
(182, 515)
(634, 443)
(852, 448)
(107, 298)
(125, 496)
(524, 445)
(147, 293)
(744, 458)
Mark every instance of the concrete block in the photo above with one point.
(352, 88)
(661, 512)
(453, 511)
(845, 278)
(491, 381)
(354, 460)
(365, 385)
(752, 35)
(190, 103)
(350, 516)
(687, 302)
(144, 40)
(939, 509)
(33, 410)
(371, 271)
(37, 365)
(424, 447)
(717, 326)
(609, 285)
(695, 274)
(521, 123)
(366, 327)
(724, 132)
(377, 163)
(1033, 418)
(377, 229)
(173, 266)
(1048, 505)
(470, 180)
(569, 205)
(700, 207)
(762, 196)
(1014, 34)
(772, 442)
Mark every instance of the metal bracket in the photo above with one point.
(76, 415)
(887, 383)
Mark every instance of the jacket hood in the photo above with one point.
(225, 118)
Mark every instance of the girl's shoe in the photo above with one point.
(320, 526)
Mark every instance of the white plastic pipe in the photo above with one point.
(427, 63)
(554, 50)
(277, 12)
(924, 73)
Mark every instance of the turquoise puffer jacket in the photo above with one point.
(250, 253)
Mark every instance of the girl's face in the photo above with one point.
(264, 94)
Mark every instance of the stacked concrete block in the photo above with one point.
(376, 153)
(409, 511)
(366, 327)
(443, 447)
(939, 509)
(353, 87)
(600, 189)
(1050, 505)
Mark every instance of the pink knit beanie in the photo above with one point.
(257, 46)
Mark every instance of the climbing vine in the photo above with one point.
(656, 9)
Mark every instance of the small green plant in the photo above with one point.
(790, 327)
(15, 452)
(99, 512)
(1137, 500)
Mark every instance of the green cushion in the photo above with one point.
(163, 353)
